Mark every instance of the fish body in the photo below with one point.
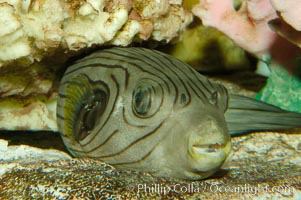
(140, 109)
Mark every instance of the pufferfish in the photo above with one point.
(140, 109)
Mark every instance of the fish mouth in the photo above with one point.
(209, 156)
(208, 148)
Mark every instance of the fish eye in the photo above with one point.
(84, 105)
(146, 98)
(142, 99)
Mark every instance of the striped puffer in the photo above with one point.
(143, 110)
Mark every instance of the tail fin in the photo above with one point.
(245, 114)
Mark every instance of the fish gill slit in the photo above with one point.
(108, 118)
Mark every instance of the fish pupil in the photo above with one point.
(142, 100)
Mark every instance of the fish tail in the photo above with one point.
(245, 115)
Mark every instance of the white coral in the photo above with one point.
(12, 42)
(31, 29)
(94, 28)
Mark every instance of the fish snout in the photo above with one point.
(209, 144)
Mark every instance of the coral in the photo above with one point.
(249, 27)
(289, 11)
(288, 25)
(28, 114)
(32, 29)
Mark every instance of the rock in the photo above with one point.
(27, 154)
